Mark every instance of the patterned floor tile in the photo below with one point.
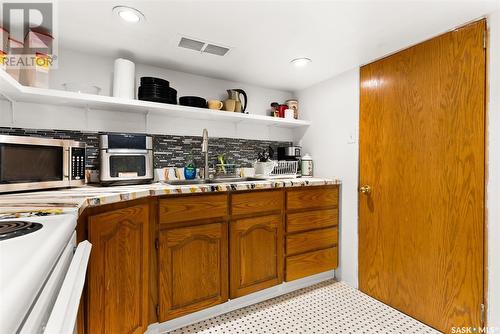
(328, 307)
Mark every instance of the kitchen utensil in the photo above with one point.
(215, 104)
(229, 105)
(289, 114)
(124, 79)
(81, 88)
(236, 95)
(290, 153)
(264, 168)
(193, 101)
(293, 104)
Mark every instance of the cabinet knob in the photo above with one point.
(366, 189)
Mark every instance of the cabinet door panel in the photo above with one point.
(256, 254)
(118, 271)
(193, 269)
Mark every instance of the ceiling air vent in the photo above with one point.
(216, 50)
(202, 46)
(191, 44)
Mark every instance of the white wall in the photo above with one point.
(493, 172)
(79, 67)
(333, 108)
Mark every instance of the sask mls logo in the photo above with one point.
(29, 34)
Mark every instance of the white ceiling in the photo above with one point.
(263, 35)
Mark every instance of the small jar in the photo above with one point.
(293, 104)
(307, 166)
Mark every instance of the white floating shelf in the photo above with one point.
(15, 92)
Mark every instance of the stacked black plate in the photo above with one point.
(157, 90)
(193, 101)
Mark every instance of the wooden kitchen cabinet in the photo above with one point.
(192, 253)
(156, 259)
(118, 275)
(256, 241)
(256, 254)
(311, 242)
(193, 269)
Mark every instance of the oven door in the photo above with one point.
(126, 165)
(56, 306)
(32, 163)
(62, 319)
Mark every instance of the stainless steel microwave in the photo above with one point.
(30, 163)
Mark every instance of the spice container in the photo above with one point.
(293, 104)
(307, 166)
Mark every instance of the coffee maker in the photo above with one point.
(290, 153)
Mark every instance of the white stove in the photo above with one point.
(41, 275)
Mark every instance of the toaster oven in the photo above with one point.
(125, 159)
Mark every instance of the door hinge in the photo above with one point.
(157, 243)
(482, 315)
(158, 311)
(485, 39)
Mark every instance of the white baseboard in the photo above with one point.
(234, 304)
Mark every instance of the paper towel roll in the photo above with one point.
(124, 79)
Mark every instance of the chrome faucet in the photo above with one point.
(204, 150)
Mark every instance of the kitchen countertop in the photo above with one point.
(75, 200)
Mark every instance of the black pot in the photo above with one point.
(193, 101)
(155, 81)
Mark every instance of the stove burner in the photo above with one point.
(16, 228)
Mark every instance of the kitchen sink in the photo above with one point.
(212, 181)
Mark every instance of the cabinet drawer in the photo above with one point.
(303, 221)
(258, 201)
(186, 208)
(312, 197)
(311, 263)
(307, 241)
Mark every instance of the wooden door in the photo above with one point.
(193, 268)
(118, 271)
(422, 134)
(256, 254)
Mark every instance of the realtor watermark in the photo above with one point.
(474, 330)
(28, 34)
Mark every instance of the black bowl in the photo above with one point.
(153, 80)
(193, 101)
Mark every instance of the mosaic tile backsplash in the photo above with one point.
(168, 150)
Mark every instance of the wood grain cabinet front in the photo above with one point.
(118, 275)
(311, 231)
(193, 268)
(256, 254)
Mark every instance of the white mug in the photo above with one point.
(289, 113)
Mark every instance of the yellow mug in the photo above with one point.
(215, 104)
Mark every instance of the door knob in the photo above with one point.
(366, 189)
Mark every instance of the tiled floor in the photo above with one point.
(328, 307)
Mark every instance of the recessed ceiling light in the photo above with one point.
(301, 62)
(129, 14)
